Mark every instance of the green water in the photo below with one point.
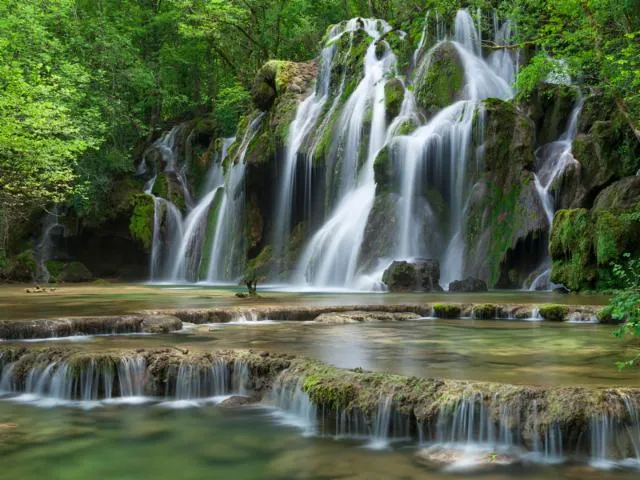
(146, 442)
(114, 299)
(498, 350)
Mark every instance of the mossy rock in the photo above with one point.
(441, 79)
(264, 86)
(75, 272)
(571, 249)
(393, 97)
(447, 310)
(384, 171)
(486, 311)
(21, 268)
(605, 146)
(584, 244)
(621, 195)
(141, 222)
(554, 313)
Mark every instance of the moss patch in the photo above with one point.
(554, 313)
(141, 222)
(441, 79)
(447, 310)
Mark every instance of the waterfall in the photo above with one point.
(307, 115)
(85, 379)
(440, 151)
(167, 231)
(185, 262)
(552, 159)
(331, 256)
(295, 408)
(44, 249)
(227, 249)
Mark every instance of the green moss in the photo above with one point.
(141, 222)
(572, 249)
(486, 311)
(406, 128)
(611, 236)
(446, 310)
(554, 313)
(383, 170)
(441, 80)
(161, 186)
(393, 97)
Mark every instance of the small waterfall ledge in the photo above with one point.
(166, 321)
(591, 424)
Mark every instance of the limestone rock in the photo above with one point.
(75, 272)
(338, 318)
(469, 284)
(235, 401)
(161, 324)
(418, 276)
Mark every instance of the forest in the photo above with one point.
(312, 239)
(85, 83)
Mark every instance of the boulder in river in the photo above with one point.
(469, 284)
(420, 275)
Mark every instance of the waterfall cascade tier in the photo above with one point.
(601, 426)
(552, 160)
(364, 166)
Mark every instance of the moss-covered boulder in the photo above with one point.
(393, 97)
(554, 313)
(75, 272)
(440, 78)
(141, 222)
(264, 86)
(168, 186)
(417, 276)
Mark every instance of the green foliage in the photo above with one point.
(625, 304)
(231, 103)
(21, 268)
(141, 223)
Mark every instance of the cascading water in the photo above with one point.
(307, 115)
(440, 150)
(226, 257)
(43, 251)
(331, 256)
(185, 262)
(552, 160)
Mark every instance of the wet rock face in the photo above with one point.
(469, 284)
(337, 318)
(417, 276)
(65, 327)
